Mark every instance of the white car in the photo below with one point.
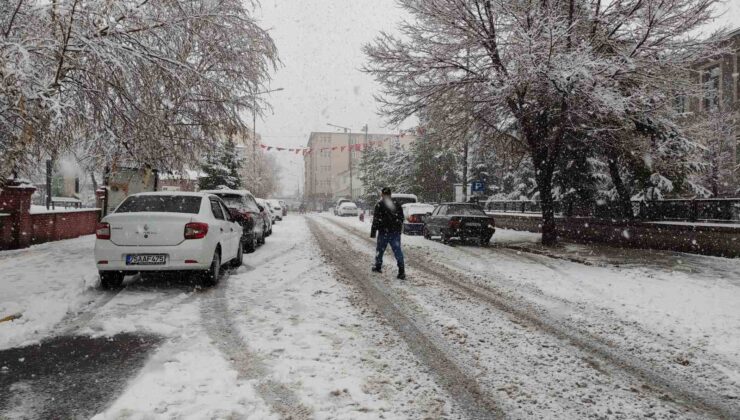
(167, 231)
(348, 209)
(276, 207)
(271, 210)
(335, 209)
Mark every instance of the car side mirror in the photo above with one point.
(261, 208)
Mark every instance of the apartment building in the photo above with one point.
(332, 168)
(719, 88)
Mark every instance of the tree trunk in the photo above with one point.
(544, 185)
(625, 202)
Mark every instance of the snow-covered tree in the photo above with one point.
(558, 70)
(221, 168)
(130, 81)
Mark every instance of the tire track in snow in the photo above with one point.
(460, 385)
(680, 388)
(219, 325)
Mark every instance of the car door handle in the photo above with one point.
(222, 229)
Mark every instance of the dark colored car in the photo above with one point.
(464, 221)
(245, 210)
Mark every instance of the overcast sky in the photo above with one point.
(319, 42)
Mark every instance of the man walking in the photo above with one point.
(388, 223)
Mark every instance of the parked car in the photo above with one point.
(413, 217)
(266, 215)
(167, 231)
(464, 221)
(245, 210)
(348, 209)
(339, 203)
(277, 208)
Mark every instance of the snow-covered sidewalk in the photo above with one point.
(42, 284)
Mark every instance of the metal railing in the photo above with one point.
(692, 210)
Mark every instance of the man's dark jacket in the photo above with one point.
(386, 220)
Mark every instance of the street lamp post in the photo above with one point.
(254, 126)
(349, 145)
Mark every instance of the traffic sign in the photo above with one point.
(478, 187)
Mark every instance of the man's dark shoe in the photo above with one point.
(376, 269)
(401, 275)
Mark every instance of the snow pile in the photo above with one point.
(43, 283)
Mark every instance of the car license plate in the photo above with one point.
(472, 225)
(146, 259)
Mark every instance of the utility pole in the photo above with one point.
(254, 127)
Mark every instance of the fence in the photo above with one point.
(692, 210)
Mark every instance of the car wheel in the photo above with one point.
(213, 274)
(262, 236)
(445, 238)
(237, 262)
(426, 233)
(251, 244)
(110, 280)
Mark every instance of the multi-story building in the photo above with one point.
(719, 97)
(334, 156)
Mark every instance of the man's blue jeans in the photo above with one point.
(394, 240)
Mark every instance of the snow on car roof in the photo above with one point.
(394, 195)
(173, 193)
(348, 204)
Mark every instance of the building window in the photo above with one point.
(710, 79)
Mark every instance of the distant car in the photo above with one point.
(464, 221)
(266, 215)
(271, 210)
(348, 209)
(413, 217)
(284, 206)
(338, 203)
(167, 231)
(277, 208)
(245, 210)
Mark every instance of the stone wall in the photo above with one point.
(19, 228)
(698, 238)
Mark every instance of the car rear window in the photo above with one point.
(465, 211)
(160, 203)
(234, 201)
(404, 200)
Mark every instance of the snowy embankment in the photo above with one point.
(42, 283)
(692, 298)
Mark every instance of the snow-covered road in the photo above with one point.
(304, 330)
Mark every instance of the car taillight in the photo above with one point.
(415, 218)
(195, 230)
(454, 224)
(102, 231)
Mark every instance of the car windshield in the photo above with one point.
(465, 211)
(160, 203)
